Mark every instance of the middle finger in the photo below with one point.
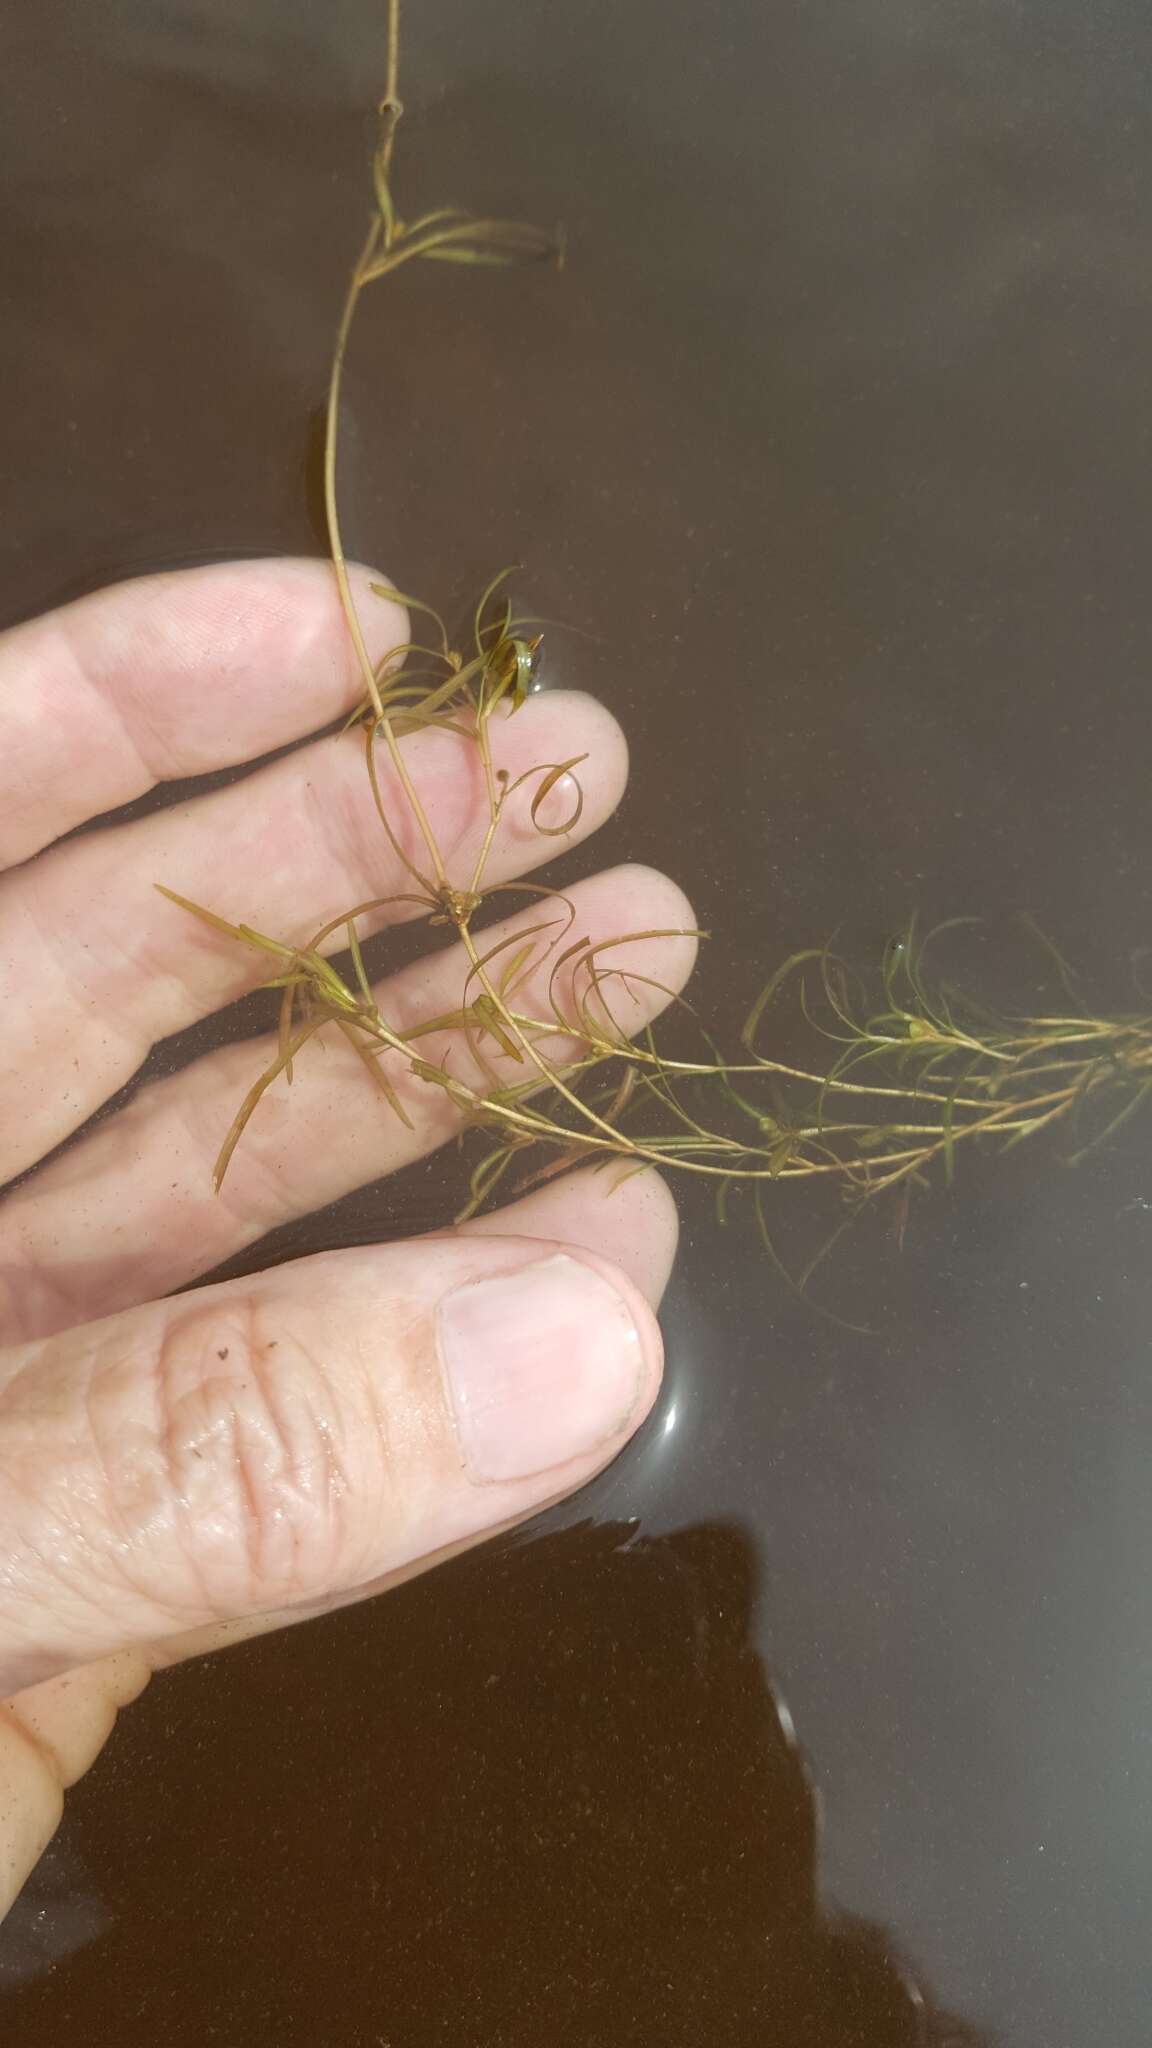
(98, 967)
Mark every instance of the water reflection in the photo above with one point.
(546, 1796)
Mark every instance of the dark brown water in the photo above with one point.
(837, 427)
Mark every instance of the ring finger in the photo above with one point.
(129, 1213)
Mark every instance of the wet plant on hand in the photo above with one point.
(533, 1056)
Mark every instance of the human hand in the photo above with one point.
(176, 1474)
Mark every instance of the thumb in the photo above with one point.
(274, 1442)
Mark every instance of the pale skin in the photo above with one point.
(178, 1473)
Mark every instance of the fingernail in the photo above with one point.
(541, 1365)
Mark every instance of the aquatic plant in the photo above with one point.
(907, 1078)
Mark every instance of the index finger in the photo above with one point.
(170, 676)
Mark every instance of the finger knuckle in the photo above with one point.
(254, 1455)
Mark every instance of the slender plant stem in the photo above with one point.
(332, 514)
(391, 110)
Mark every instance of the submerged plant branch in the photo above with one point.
(904, 1080)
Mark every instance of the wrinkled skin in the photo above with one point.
(178, 1473)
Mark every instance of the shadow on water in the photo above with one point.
(586, 1820)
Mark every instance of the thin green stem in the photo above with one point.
(331, 509)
